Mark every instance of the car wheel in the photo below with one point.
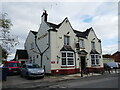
(21, 75)
(42, 77)
(27, 76)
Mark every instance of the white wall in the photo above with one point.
(34, 51)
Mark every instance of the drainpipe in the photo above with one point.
(38, 48)
(80, 62)
(75, 61)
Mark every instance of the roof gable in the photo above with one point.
(82, 34)
(34, 32)
(22, 54)
(53, 25)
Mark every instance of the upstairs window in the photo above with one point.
(92, 45)
(32, 45)
(66, 40)
(81, 43)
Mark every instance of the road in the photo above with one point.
(98, 81)
(110, 81)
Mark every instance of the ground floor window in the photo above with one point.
(67, 58)
(95, 59)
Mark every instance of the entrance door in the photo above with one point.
(83, 63)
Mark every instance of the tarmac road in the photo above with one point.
(66, 81)
(110, 81)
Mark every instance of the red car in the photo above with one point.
(13, 67)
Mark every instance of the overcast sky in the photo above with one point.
(102, 16)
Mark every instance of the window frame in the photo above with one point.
(66, 57)
(96, 57)
(93, 45)
(81, 43)
(66, 40)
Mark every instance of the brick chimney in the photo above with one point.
(44, 16)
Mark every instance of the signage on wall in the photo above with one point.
(44, 35)
(52, 62)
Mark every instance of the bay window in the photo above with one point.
(67, 58)
(95, 59)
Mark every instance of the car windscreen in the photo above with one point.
(13, 64)
(33, 66)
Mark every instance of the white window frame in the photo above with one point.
(66, 40)
(96, 56)
(81, 43)
(66, 52)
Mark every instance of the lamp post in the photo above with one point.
(81, 69)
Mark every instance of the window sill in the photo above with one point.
(67, 66)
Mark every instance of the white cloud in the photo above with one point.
(27, 16)
(110, 49)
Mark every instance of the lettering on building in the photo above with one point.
(42, 36)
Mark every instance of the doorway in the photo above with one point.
(83, 62)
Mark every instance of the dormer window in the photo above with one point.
(66, 40)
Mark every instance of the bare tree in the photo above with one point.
(7, 40)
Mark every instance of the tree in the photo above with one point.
(7, 41)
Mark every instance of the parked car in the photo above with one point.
(112, 65)
(13, 67)
(31, 70)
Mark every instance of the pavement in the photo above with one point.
(18, 82)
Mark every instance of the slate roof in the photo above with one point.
(34, 32)
(117, 53)
(93, 51)
(82, 34)
(22, 54)
(53, 25)
(82, 52)
(78, 33)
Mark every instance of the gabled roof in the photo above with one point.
(82, 34)
(22, 54)
(116, 53)
(78, 33)
(34, 32)
(53, 25)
